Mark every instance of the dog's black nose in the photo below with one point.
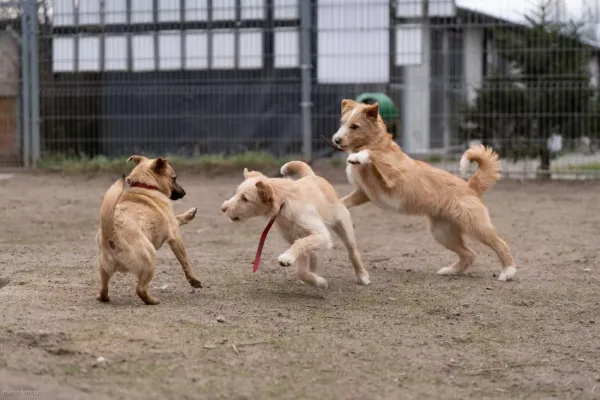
(336, 141)
(224, 208)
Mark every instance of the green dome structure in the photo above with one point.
(387, 109)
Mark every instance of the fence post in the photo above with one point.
(25, 84)
(306, 76)
(35, 82)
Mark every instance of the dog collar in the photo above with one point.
(144, 186)
(263, 237)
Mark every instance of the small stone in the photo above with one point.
(4, 281)
(587, 269)
(210, 346)
(100, 360)
(220, 319)
(163, 287)
(489, 288)
(392, 298)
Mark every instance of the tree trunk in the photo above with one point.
(544, 169)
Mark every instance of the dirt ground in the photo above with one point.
(411, 334)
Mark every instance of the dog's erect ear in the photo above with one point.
(246, 173)
(159, 164)
(265, 192)
(372, 110)
(347, 104)
(137, 159)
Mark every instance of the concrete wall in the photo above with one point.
(473, 60)
(416, 105)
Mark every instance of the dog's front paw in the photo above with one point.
(195, 283)
(363, 279)
(450, 271)
(191, 213)
(321, 282)
(104, 299)
(362, 157)
(507, 274)
(286, 259)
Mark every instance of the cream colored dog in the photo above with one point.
(305, 209)
(382, 173)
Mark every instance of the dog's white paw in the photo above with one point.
(286, 259)
(321, 282)
(362, 157)
(192, 212)
(364, 279)
(507, 274)
(450, 270)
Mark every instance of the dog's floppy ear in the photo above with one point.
(346, 104)
(137, 159)
(265, 192)
(372, 110)
(159, 164)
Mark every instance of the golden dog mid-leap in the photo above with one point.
(382, 173)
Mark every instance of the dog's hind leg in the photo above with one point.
(104, 278)
(344, 229)
(451, 236)
(314, 262)
(303, 265)
(487, 235)
(146, 271)
(178, 249)
(144, 279)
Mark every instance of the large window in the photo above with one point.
(177, 35)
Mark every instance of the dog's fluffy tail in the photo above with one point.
(107, 209)
(296, 168)
(488, 171)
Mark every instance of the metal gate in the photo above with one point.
(18, 77)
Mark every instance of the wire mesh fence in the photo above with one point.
(195, 77)
(11, 140)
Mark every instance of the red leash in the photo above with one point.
(263, 237)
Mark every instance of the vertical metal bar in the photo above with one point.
(306, 80)
(25, 85)
(236, 33)
(35, 84)
(446, 54)
(155, 34)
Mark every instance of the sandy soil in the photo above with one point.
(411, 334)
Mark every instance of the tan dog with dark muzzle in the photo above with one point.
(136, 221)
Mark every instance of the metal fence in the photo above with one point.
(193, 77)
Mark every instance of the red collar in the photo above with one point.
(263, 237)
(144, 186)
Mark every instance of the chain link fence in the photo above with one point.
(221, 77)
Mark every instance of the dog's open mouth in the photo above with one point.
(330, 143)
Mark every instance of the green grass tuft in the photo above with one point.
(592, 167)
(205, 163)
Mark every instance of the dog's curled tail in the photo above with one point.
(296, 168)
(488, 171)
(107, 209)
